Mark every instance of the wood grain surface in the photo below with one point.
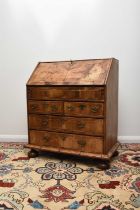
(67, 141)
(73, 107)
(85, 72)
(87, 126)
(65, 93)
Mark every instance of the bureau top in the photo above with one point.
(77, 72)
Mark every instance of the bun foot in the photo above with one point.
(116, 153)
(32, 153)
(103, 165)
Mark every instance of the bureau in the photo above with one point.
(72, 108)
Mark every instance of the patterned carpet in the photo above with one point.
(57, 182)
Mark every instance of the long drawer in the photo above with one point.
(72, 142)
(89, 126)
(87, 109)
(72, 93)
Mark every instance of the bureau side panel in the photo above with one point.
(27, 111)
(111, 123)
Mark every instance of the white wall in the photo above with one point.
(34, 30)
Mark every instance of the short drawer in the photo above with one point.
(45, 107)
(87, 109)
(87, 126)
(63, 141)
(73, 93)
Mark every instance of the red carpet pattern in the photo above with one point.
(57, 182)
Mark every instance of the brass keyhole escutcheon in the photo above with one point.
(46, 138)
(81, 142)
(63, 138)
(82, 106)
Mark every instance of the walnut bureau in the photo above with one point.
(73, 108)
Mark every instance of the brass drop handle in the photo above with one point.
(94, 108)
(53, 107)
(44, 122)
(81, 142)
(46, 138)
(80, 125)
(70, 108)
(33, 106)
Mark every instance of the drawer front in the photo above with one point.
(44, 122)
(87, 126)
(82, 143)
(45, 107)
(42, 138)
(87, 109)
(71, 142)
(57, 93)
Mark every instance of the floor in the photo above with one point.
(57, 182)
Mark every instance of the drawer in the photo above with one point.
(87, 126)
(45, 107)
(44, 138)
(87, 109)
(71, 142)
(81, 143)
(57, 93)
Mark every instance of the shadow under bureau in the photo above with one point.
(73, 108)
